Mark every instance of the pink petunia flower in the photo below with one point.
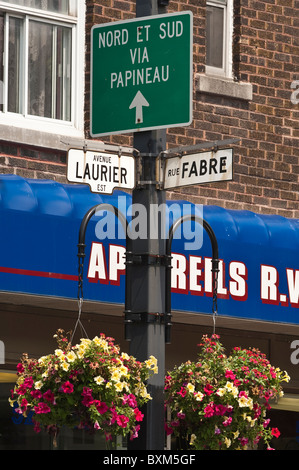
(209, 410)
(182, 392)
(49, 396)
(227, 422)
(138, 415)
(275, 432)
(122, 420)
(230, 375)
(42, 408)
(208, 389)
(130, 400)
(20, 368)
(101, 406)
(36, 394)
(67, 387)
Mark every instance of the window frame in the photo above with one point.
(74, 127)
(226, 71)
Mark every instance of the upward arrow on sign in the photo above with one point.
(138, 102)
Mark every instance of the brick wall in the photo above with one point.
(266, 160)
(32, 162)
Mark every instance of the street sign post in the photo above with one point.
(141, 74)
(199, 168)
(103, 172)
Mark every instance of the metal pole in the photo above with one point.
(145, 323)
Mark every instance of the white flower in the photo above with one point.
(59, 353)
(71, 356)
(125, 356)
(99, 380)
(65, 366)
(198, 396)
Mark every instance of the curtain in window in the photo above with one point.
(49, 66)
(15, 65)
(214, 32)
(1, 61)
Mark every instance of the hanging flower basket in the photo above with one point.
(90, 385)
(220, 402)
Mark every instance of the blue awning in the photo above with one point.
(40, 220)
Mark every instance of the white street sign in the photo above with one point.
(103, 172)
(199, 168)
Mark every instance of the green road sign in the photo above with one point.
(141, 74)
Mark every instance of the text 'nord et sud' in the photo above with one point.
(139, 55)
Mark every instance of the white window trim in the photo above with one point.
(74, 128)
(227, 70)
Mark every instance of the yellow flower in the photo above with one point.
(151, 363)
(125, 356)
(192, 439)
(102, 343)
(190, 387)
(243, 401)
(11, 402)
(286, 377)
(123, 370)
(199, 396)
(141, 390)
(221, 391)
(115, 376)
(85, 341)
(42, 360)
(97, 340)
(65, 366)
(118, 386)
(99, 380)
(81, 352)
(231, 388)
(59, 353)
(227, 442)
(38, 385)
(71, 356)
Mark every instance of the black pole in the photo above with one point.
(145, 323)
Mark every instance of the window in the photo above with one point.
(39, 50)
(219, 21)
